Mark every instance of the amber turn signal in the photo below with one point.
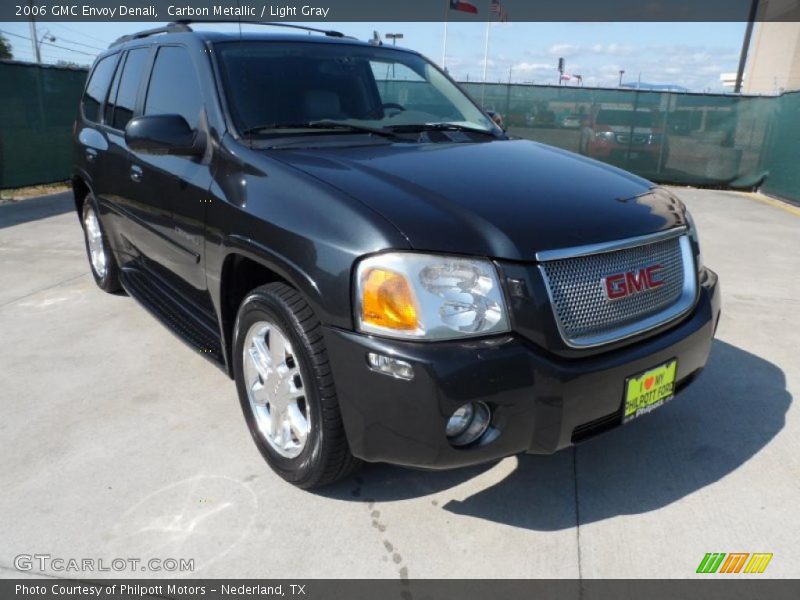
(387, 301)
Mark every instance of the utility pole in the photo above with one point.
(35, 43)
(394, 37)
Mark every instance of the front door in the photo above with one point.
(174, 188)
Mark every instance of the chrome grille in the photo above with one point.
(637, 139)
(586, 317)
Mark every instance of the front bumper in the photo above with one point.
(540, 403)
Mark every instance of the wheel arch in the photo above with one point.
(247, 266)
(80, 191)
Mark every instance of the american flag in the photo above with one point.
(497, 12)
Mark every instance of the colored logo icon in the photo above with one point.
(734, 562)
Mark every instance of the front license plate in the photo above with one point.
(649, 390)
(634, 156)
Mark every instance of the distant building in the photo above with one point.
(774, 62)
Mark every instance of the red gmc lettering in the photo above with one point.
(621, 285)
(616, 287)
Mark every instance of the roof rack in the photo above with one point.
(175, 27)
(327, 32)
(182, 26)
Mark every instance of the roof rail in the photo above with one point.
(327, 32)
(170, 28)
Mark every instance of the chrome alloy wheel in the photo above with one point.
(94, 238)
(275, 389)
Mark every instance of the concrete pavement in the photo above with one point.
(119, 441)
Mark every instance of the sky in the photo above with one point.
(692, 55)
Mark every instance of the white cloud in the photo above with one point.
(563, 50)
(527, 67)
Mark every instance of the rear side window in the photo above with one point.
(112, 94)
(97, 89)
(125, 101)
(174, 88)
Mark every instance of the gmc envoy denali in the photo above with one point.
(386, 275)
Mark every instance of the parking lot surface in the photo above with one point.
(119, 441)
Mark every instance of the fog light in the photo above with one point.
(468, 423)
(393, 367)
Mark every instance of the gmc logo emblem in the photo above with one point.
(622, 285)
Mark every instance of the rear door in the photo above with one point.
(132, 222)
(91, 140)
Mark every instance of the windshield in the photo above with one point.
(274, 87)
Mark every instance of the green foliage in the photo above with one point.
(5, 48)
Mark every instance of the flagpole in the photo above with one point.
(444, 44)
(486, 52)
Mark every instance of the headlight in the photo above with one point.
(692, 228)
(607, 136)
(428, 297)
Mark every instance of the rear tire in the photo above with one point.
(286, 388)
(101, 260)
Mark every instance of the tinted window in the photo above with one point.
(271, 83)
(112, 94)
(173, 86)
(98, 87)
(128, 87)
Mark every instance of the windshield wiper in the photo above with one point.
(322, 124)
(413, 127)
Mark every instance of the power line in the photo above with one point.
(49, 44)
(62, 39)
(106, 42)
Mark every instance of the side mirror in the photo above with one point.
(164, 134)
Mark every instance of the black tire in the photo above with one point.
(326, 457)
(109, 280)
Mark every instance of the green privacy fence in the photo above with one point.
(37, 108)
(782, 154)
(668, 137)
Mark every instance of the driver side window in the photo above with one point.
(173, 87)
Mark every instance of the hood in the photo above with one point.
(501, 199)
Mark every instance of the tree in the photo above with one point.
(5, 48)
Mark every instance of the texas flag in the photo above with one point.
(463, 6)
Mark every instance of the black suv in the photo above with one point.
(385, 274)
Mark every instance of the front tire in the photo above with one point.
(101, 260)
(286, 388)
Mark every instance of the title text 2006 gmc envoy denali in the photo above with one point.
(384, 273)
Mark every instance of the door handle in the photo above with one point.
(91, 155)
(136, 173)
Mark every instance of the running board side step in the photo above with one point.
(189, 328)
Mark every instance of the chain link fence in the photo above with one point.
(668, 137)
